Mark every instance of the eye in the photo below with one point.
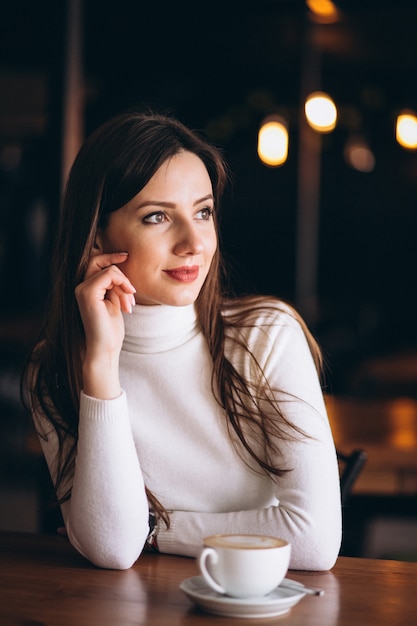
(159, 217)
(204, 214)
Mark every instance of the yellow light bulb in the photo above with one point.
(273, 142)
(406, 130)
(321, 112)
(322, 8)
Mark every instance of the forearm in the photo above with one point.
(107, 515)
(315, 540)
(306, 511)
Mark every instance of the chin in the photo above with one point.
(182, 299)
(176, 297)
(174, 301)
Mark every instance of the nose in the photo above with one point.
(189, 240)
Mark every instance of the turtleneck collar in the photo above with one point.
(152, 329)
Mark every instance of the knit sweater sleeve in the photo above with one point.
(307, 511)
(106, 517)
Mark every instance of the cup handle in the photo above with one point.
(209, 553)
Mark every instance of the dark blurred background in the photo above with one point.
(221, 67)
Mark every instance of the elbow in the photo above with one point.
(313, 558)
(323, 559)
(317, 549)
(107, 554)
(114, 561)
(107, 558)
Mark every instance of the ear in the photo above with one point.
(98, 247)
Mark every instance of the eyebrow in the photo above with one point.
(171, 205)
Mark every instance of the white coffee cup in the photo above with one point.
(244, 566)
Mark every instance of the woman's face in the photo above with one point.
(168, 231)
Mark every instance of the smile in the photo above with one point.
(184, 274)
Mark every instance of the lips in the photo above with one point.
(184, 274)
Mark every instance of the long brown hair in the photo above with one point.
(113, 165)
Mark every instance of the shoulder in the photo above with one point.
(261, 312)
(266, 326)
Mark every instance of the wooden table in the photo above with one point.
(43, 581)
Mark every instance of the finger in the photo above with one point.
(109, 277)
(126, 300)
(114, 278)
(120, 300)
(98, 288)
(100, 262)
(112, 297)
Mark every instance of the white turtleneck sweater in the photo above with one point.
(167, 431)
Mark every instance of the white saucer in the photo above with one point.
(275, 603)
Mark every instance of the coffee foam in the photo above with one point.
(244, 542)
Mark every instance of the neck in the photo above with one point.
(158, 328)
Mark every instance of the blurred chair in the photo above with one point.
(350, 466)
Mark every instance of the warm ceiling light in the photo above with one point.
(321, 112)
(323, 9)
(406, 130)
(273, 141)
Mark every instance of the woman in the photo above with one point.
(165, 411)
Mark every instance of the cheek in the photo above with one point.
(211, 244)
(137, 264)
(114, 242)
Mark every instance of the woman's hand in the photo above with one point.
(102, 296)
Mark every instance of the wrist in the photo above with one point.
(151, 540)
(101, 379)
